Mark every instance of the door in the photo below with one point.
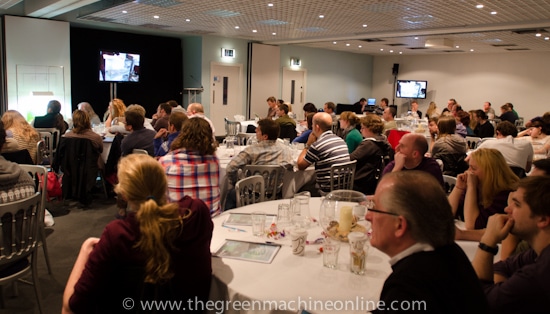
(225, 94)
(294, 90)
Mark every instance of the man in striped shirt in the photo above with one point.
(323, 148)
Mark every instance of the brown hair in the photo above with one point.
(446, 126)
(196, 134)
(176, 119)
(373, 123)
(81, 121)
(13, 119)
(350, 117)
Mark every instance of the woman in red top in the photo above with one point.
(159, 252)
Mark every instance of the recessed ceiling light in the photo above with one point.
(347, 45)
(457, 46)
(494, 13)
(416, 38)
(364, 25)
(321, 16)
(254, 30)
(479, 6)
(360, 46)
(273, 34)
(156, 16)
(400, 52)
(546, 38)
(270, 4)
(391, 51)
(471, 50)
(538, 34)
(381, 49)
(334, 43)
(187, 20)
(124, 11)
(236, 27)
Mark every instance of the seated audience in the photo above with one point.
(541, 167)
(267, 151)
(519, 284)
(447, 111)
(432, 111)
(283, 117)
(272, 104)
(86, 107)
(24, 134)
(434, 131)
(287, 124)
(83, 129)
(139, 137)
(52, 119)
(517, 153)
(121, 128)
(539, 138)
(196, 110)
(450, 148)
(15, 183)
(115, 110)
(388, 116)
(323, 148)
(506, 114)
(410, 155)
(414, 110)
(482, 191)
(176, 107)
(350, 134)
(413, 225)
(302, 138)
(360, 106)
(192, 167)
(160, 119)
(372, 154)
(483, 127)
(379, 110)
(160, 251)
(330, 108)
(463, 117)
(164, 137)
(489, 111)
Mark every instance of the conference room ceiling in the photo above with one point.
(374, 27)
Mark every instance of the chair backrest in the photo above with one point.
(19, 228)
(273, 178)
(55, 139)
(232, 128)
(41, 152)
(47, 152)
(288, 131)
(250, 190)
(342, 175)
(519, 122)
(473, 141)
(40, 177)
(449, 182)
(139, 151)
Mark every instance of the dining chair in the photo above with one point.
(450, 183)
(41, 151)
(54, 140)
(139, 151)
(342, 175)
(19, 227)
(250, 190)
(40, 176)
(47, 151)
(473, 141)
(273, 178)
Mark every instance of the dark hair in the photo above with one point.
(331, 105)
(271, 99)
(424, 206)
(464, 117)
(172, 103)
(481, 114)
(270, 128)
(536, 196)
(284, 107)
(55, 106)
(166, 107)
(176, 119)
(393, 111)
(385, 100)
(362, 99)
(309, 118)
(2, 135)
(543, 164)
(196, 134)
(505, 107)
(446, 125)
(373, 123)
(280, 101)
(134, 119)
(309, 107)
(507, 128)
(81, 121)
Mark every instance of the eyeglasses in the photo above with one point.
(382, 212)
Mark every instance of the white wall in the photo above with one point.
(41, 44)
(520, 78)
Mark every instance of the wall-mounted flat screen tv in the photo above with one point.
(116, 66)
(411, 89)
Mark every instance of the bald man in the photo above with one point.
(409, 155)
(323, 148)
(196, 110)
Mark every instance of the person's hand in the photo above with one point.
(155, 116)
(399, 159)
(472, 180)
(462, 181)
(498, 227)
(161, 133)
(311, 139)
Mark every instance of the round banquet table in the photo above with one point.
(296, 282)
(300, 281)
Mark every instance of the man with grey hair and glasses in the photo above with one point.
(413, 224)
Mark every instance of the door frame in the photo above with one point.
(299, 111)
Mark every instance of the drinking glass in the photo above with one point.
(258, 224)
(331, 249)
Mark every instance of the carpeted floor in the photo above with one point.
(72, 226)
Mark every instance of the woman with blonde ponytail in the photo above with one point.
(159, 251)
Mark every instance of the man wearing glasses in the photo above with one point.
(414, 226)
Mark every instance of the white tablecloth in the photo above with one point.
(300, 281)
(107, 142)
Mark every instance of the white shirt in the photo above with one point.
(516, 152)
(415, 248)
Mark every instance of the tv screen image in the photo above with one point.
(411, 89)
(118, 66)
